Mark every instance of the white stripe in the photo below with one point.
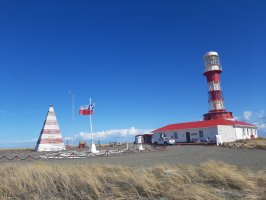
(214, 86)
(51, 136)
(212, 68)
(84, 107)
(51, 109)
(49, 127)
(51, 118)
(216, 105)
(51, 147)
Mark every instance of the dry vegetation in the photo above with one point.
(4, 151)
(258, 143)
(211, 180)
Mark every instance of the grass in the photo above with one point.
(210, 180)
(258, 143)
(15, 150)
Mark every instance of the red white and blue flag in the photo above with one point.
(86, 110)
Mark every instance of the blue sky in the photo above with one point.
(140, 61)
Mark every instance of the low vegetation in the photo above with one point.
(15, 150)
(258, 143)
(211, 180)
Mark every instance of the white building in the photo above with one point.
(229, 130)
(218, 122)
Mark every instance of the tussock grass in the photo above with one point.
(6, 151)
(257, 143)
(210, 180)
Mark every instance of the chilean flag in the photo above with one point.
(86, 110)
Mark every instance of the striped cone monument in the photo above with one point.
(50, 138)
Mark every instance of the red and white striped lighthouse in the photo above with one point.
(50, 138)
(212, 72)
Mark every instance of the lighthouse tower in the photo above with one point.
(212, 72)
(50, 137)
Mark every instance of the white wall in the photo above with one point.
(228, 133)
(210, 132)
(245, 132)
(239, 133)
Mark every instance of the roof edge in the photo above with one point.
(203, 124)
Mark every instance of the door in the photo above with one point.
(188, 136)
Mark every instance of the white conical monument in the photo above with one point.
(50, 138)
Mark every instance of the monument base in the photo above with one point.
(140, 147)
(93, 148)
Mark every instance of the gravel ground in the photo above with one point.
(245, 158)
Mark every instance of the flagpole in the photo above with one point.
(91, 124)
(93, 146)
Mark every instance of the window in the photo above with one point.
(212, 60)
(176, 135)
(201, 134)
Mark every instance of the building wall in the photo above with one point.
(228, 133)
(180, 135)
(239, 133)
(246, 133)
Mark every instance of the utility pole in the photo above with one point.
(73, 104)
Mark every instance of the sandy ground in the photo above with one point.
(245, 158)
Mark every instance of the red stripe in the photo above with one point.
(215, 95)
(217, 115)
(85, 112)
(50, 131)
(213, 77)
(51, 122)
(50, 141)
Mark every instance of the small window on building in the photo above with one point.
(176, 135)
(201, 134)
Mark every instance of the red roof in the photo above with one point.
(202, 124)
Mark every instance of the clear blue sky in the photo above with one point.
(141, 62)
